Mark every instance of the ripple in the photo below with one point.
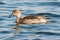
(28, 27)
(45, 14)
(1, 19)
(40, 3)
(36, 39)
(10, 7)
(25, 39)
(9, 39)
(53, 21)
(1, 3)
(48, 33)
(20, 36)
(26, 32)
(4, 32)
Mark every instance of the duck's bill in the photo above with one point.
(10, 16)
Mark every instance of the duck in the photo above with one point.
(27, 19)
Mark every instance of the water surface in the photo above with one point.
(49, 31)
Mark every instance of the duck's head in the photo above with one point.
(16, 13)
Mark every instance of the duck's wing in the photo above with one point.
(30, 19)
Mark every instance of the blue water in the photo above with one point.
(49, 31)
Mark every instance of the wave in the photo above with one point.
(49, 3)
(4, 32)
(45, 14)
(41, 3)
(2, 3)
(29, 27)
(48, 33)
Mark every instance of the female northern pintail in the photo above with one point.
(28, 19)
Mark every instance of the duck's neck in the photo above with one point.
(18, 19)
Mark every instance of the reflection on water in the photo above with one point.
(49, 31)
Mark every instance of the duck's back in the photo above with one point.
(30, 17)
